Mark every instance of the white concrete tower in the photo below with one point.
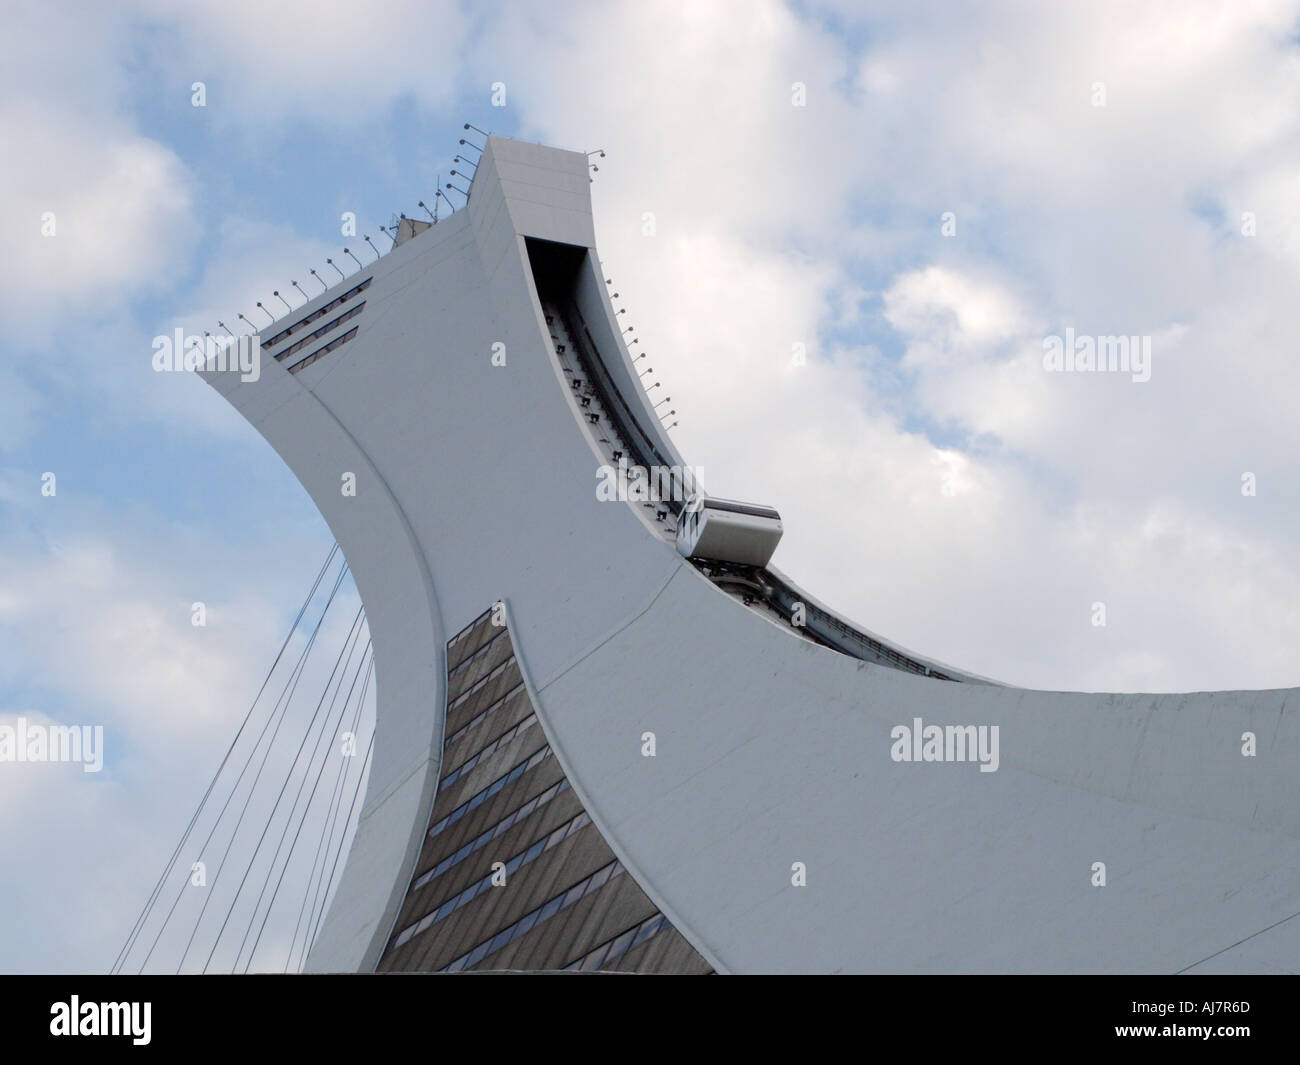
(474, 380)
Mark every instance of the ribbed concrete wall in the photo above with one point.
(495, 729)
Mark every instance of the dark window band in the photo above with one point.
(487, 678)
(620, 944)
(327, 327)
(319, 312)
(491, 748)
(544, 912)
(512, 864)
(477, 719)
(500, 828)
(302, 364)
(475, 656)
(492, 789)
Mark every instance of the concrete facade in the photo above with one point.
(513, 873)
(476, 484)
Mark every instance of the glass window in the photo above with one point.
(599, 878)
(647, 929)
(620, 945)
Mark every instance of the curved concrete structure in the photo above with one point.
(775, 744)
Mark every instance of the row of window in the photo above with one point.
(460, 667)
(512, 865)
(487, 678)
(319, 312)
(619, 945)
(500, 828)
(531, 920)
(477, 719)
(467, 631)
(320, 353)
(298, 345)
(479, 799)
(496, 745)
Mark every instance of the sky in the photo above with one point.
(869, 221)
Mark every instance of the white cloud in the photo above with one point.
(101, 634)
(118, 206)
(766, 212)
(338, 65)
(950, 315)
